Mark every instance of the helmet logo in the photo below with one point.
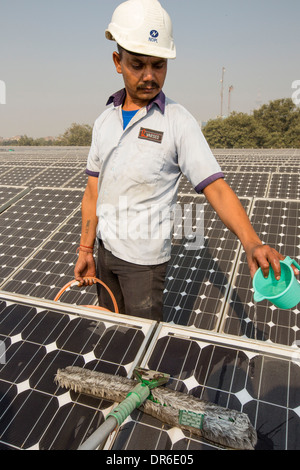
(153, 35)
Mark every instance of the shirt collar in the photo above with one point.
(118, 98)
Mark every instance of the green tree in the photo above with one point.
(77, 134)
(274, 125)
(292, 136)
(239, 130)
(243, 131)
(276, 116)
(215, 133)
(25, 140)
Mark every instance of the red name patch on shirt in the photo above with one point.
(149, 134)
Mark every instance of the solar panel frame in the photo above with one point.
(10, 194)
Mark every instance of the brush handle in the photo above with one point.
(100, 435)
(134, 399)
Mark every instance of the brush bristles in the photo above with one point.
(228, 428)
(97, 384)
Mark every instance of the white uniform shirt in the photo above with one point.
(139, 171)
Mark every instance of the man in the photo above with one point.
(141, 146)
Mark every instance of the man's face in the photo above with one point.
(143, 76)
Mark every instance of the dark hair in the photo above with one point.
(121, 50)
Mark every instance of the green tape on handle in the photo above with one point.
(189, 418)
(133, 400)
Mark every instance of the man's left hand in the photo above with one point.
(262, 256)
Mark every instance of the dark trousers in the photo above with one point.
(138, 289)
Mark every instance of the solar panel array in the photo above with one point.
(214, 341)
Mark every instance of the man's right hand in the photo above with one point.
(85, 268)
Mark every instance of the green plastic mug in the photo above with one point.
(284, 293)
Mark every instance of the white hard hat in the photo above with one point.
(144, 27)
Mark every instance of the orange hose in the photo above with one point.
(91, 306)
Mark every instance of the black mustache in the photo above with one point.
(148, 85)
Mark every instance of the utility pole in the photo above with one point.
(222, 90)
(229, 96)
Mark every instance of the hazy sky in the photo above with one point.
(57, 66)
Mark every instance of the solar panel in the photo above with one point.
(256, 379)
(258, 168)
(284, 185)
(77, 181)
(246, 184)
(197, 280)
(290, 168)
(39, 338)
(20, 174)
(54, 177)
(52, 266)
(28, 223)
(277, 222)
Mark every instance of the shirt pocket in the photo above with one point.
(145, 162)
